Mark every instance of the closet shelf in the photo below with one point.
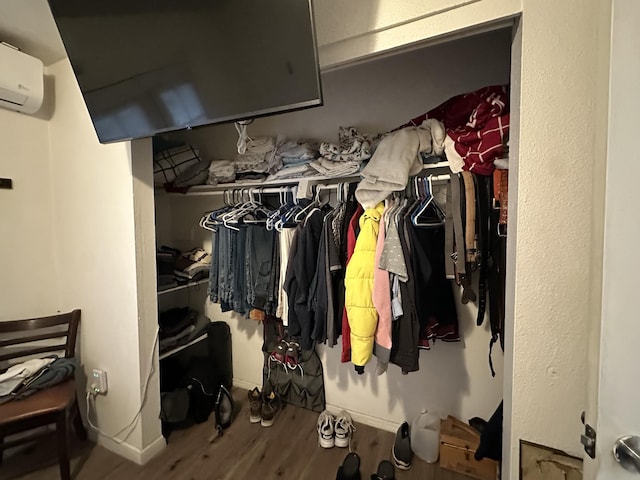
(182, 287)
(217, 189)
(173, 351)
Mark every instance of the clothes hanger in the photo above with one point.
(430, 213)
(314, 203)
(425, 201)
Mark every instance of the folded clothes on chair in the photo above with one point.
(18, 373)
(56, 372)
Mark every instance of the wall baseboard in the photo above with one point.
(365, 419)
(375, 422)
(243, 384)
(152, 450)
(132, 453)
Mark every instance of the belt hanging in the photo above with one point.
(483, 201)
(468, 294)
(458, 255)
(449, 249)
(494, 339)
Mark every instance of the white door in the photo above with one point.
(618, 409)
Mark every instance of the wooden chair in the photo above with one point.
(55, 405)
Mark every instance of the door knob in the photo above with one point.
(626, 451)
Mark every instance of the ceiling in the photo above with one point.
(28, 25)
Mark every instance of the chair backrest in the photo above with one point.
(22, 333)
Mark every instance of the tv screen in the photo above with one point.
(151, 66)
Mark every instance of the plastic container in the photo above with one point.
(425, 436)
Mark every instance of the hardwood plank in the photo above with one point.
(288, 450)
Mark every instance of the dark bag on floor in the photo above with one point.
(202, 381)
(223, 409)
(219, 344)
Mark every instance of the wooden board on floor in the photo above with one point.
(288, 450)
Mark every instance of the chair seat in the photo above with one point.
(49, 400)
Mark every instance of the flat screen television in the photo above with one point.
(150, 66)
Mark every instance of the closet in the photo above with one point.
(374, 96)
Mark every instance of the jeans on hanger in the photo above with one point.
(259, 265)
(225, 271)
(238, 282)
(213, 272)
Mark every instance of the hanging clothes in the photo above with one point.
(362, 314)
(300, 275)
(435, 305)
(382, 301)
(352, 234)
(286, 236)
(406, 328)
(259, 265)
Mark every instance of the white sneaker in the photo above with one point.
(343, 429)
(326, 423)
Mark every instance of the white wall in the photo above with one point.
(95, 254)
(560, 72)
(28, 282)
(375, 96)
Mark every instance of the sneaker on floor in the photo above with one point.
(255, 405)
(350, 468)
(270, 409)
(326, 431)
(385, 471)
(343, 429)
(401, 451)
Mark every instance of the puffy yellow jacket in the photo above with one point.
(362, 314)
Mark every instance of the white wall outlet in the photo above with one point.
(98, 381)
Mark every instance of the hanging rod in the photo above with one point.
(439, 178)
(259, 190)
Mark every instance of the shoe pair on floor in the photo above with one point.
(263, 407)
(350, 469)
(335, 430)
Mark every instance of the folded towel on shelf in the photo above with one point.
(330, 168)
(221, 171)
(353, 146)
(192, 263)
(297, 152)
(299, 171)
(187, 334)
(259, 156)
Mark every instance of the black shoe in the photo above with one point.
(385, 471)
(401, 451)
(350, 469)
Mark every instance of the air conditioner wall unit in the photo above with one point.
(21, 80)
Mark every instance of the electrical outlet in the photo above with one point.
(98, 381)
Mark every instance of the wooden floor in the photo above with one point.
(288, 450)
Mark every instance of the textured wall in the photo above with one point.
(554, 243)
